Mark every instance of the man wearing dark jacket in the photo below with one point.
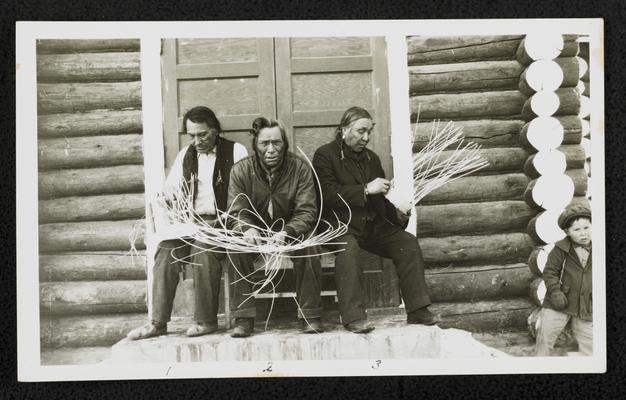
(279, 186)
(348, 170)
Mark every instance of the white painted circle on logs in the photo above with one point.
(580, 87)
(553, 191)
(540, 46)
(585, 107)
(550, 162)
(547, 227)
(544, 75)
(545, 133)
(544, 103)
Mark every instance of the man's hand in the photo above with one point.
(279, 238)
(252, 236)
(378, 185)
(558, 299)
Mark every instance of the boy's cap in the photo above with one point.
(573, 212)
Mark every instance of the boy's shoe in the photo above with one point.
(199, 329)
(359, 326)
(243, 327)
(311, 325)
(422, 316)
(147, 331)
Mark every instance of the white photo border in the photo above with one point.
(395, 31)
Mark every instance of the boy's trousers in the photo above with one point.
(552, 323)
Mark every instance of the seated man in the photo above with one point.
(205, 164)
(279, 186)
(346, 167)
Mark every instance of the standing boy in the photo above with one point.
(568, 282)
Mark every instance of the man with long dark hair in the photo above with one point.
(348, 170)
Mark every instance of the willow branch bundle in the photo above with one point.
(177, 206)
(432, 168)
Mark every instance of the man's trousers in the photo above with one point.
(386, 240)
(308, 276)
(207, 272)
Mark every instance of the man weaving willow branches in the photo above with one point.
(204, 166)
(273, 191)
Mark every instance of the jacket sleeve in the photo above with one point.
(354, 195)
(552, 270)
(390, 209)
(238, 218)
(305, 204)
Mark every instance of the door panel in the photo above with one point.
(317, 79)
(233, 76)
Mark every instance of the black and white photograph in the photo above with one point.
(220, 201)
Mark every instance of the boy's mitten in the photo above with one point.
(558, 299)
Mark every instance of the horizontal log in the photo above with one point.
(474, 283)
(449, 49)
(580, 179)
(88, 67)
(496, 248)
(506, 103)
(86, 236)
(484, 316)
(486, 132)
(581, 201)
(564, 101)
(540, 46)
(573, 69)
(546, 133)
(87, 330)
(91, 181)
(569, 156)
(72, 97)
(479, 188)
(86, 45)
(464, 218)
(464, 77)
(92, 208)
(93, 297)
(91, 123)
(499, 160)
(91, 267)
(89, 152)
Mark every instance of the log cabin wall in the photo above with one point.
(477, 232)
(90, 191)
(473, 231)
(575, 172)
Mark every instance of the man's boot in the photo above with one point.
(243, 327)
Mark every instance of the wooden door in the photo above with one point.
(233, 76)
(306, 83)
(317, 79)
